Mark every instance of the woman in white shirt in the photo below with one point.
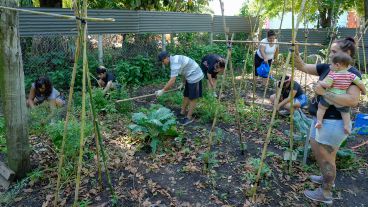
(267, 50)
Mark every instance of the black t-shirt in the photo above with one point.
(297, 87)
(331, 113)
(208, 63)
(109, 77)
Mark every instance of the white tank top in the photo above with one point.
(269, 51)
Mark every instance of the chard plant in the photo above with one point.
(153, 126)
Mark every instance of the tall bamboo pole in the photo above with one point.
(69, 106)
(83, 115)
(293, 36)
(278, 94)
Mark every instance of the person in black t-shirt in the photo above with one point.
(326, 141)
(212, 65)
(106, 79)
(300, 99)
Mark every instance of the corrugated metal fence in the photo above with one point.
(127, 21)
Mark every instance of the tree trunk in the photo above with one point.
(51, 3)
(12, 91)
(325, 17)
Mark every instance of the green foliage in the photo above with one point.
(2, 135)
(345, 159)
(209, 159)
(206, 108)
(172, 98)
(252, 167)
(101, 102)
(198, 6)
(154, 125)
(138, 70)
(55, 132)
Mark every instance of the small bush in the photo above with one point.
(252, 167)
(55, 132)
(154, 126)
(206, 108)
(173, 98)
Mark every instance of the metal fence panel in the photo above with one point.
(234, 23)
(173, 22)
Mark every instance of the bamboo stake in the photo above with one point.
(267, 140)
(278, 43)
(293, 36)
(69, 108)
(211, 134)
(143, 96)
(83, 115)
(236, 96)
(305, 52)
(268, 77)
(92, 19)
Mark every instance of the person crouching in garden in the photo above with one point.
(106, 79)
(41, 91)
(212, 65)
(300, 99)
(192, 77)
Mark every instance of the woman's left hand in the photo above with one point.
(319, 90)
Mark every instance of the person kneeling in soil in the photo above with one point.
(338, 81)
(42, 90)
(192, 76)
(212, 65)
(106, 79)
(300, 99)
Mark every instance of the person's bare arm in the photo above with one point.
(351, 98)
(169, 84)
(107, 87)
(262, 50)
(209, 76)
(300, 65)
(287, 100)
(362, 87)
(31, 97)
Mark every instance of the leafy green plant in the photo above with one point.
(55, 132)
(206, 108)
(209, 159)
(345, 159)
(173, 98)
(154, 125)
(252, 167)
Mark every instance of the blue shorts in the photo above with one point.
(331, 133)
(302, 99)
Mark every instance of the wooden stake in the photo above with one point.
(83, 115)
(277, 99)
(143, 96)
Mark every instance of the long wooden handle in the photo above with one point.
(143, 96)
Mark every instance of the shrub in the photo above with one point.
(206, 108)
(55, 132)
(154, 126)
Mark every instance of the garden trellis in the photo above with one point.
(81, 17)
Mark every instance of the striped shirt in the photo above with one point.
(342, 79)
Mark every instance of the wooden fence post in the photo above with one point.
(13, 92)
